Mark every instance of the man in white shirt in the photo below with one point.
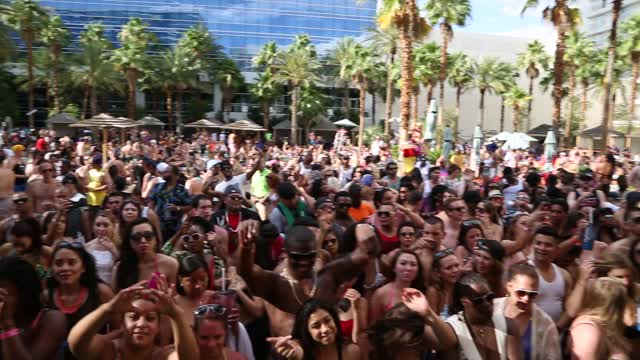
(238, 180)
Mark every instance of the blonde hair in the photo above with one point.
(605, 301)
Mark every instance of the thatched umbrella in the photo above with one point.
(105, 121)
(150, 121)
(203, 123)
(243, 125)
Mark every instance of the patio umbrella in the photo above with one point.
(518, 141)
(202, 123)
(503, 136)
(61, 118)
(105, 121)
(430, 121)
(150, 121)
(477, 145)
(243, 125)
(549, 149)
(447, 144)
(346, 123)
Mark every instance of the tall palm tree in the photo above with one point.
(427, 70)
(55, 36)
(564, 18)
(265, 89)
(131, 57)
(385, 41)
(504, 81)
(609, 73)
(447, 13)
(6, 44)
(230, 78)
(578, 52)
(486, 80)
(92, 70)
(296, 67)
(517, 98)
(532, 61)
(631, 49)
(344, 53)
(27, 18)
(461, 78)
(404, 15)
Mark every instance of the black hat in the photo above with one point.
(232, 189)
(493, 247)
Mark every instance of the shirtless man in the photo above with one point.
(456, 210)
(22, 208)
(298, 282)
(41, 188)
(7, 178)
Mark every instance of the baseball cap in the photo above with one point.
(162, 167)
(212, 163)
(97, 159)
(495, 193)
(367, 180)
(323, 200)
(17, 147)
(232, 189)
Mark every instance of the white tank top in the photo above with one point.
(467, 349)
(551, 294)
(104, 264)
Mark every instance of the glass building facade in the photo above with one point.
(240, 26)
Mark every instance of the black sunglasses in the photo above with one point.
(216, 309)
(486, 298)
(69, 245)
(137, 237)
(384, 213)
(20, 201)
(295, 256)
(522, 293)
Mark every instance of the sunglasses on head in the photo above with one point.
(486, 298)
(470, 222)
(296, 256)
(522, 293)
(148, 235)
(217, 309)
(20, 201)
(69, 245)
(442, 254)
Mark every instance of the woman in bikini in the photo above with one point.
(407, 273)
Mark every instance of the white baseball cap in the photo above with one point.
(162, 167)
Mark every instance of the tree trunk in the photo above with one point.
(530, 103)
(85, 103)
(558, 65)
(635, 74)
(569, 119)
(169, 104)
(294, 116)
(482, 92)
(266, 115)
(179, 93)
(608, 76)
(94, 102)
(362, 94)
(456, 124)
(31, 102)
(585, 99)
(389, 98)
(443, 77)
(430, 96)
(414, 109)
(516, 119)
(55, 87)
(502, 114)
(131, 82)
(406, 45)
(345, 99)
(373, 109)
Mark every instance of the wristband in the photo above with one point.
(9, 334)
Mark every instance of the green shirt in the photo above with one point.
(259, 187)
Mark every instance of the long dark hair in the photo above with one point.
(189, 264)
(301, 327)
(24, 277)
(419, 281)
(128, 273)
(31, 228)
(464, 229)
(89, 278)
(134, 203)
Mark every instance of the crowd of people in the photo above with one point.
(235, 246)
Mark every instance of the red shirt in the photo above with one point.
(41, 145)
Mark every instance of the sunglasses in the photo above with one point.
(522, 293)
(384, 213)
(195, 237)
(486, 298)
(442, 254)
(217, 309)
(148, 235)
(20, 201)
(408, 234)
(235, 198)
(295, 256)
(461, 208)
(69, 245)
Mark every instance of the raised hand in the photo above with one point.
(121, 302)
(287, 347)
(248, 232)
(415, 300)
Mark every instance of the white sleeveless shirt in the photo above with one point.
(467, 349)
(551, 294)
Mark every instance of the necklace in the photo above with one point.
(293, 282)
(80, 299)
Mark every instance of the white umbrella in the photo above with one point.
(447, 144)
(549, 149)
(345, 123)
(503, 136)
(430, 121)
(518, 141)
(477, 144)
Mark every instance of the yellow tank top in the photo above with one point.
(95, 198)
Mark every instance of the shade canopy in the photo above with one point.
(503, 136)
(518, 140)
(150, 121)
(106, 121)
(345, 123)
(243, 125)
(596, 133)
(202, 123)
(62, 118)
(542, 130)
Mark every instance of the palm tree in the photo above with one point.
(27, 18)
(447, 13)
(296, 67)
(6, 44)
(564, 18)
(344, 53)
(55, 36)
(609, 73)
(504, 81)
(517, 98)
(460, 77)
(487, 73)
(532, 61)
(265, 89)
(92, 71)
(427, 69)
(385, 42)
(131, 57)
(578, 54)
(404, 15)
(311, 104)
(230, 78)
(631, 49)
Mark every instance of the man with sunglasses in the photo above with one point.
(233, 213)
(23, 209)
(41, 188)
(456, 212)
(169, 199)
(478, 335)
(239, 180)
(537, 332)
